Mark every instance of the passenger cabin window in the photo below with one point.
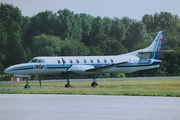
(91, 61)
(77, 61)
(85, 61)
(98, 60)
(59, 61)
(41, 61)
(71, 61)
(111, 60)
(105, 61)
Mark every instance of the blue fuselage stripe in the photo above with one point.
(65, 66)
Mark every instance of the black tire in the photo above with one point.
(94, 84)
(67, 85)
(27, 87)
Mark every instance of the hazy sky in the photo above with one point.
(134, 9)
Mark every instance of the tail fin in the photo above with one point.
(159, 46)
(156, 46)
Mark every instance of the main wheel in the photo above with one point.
(27, 86)
(94, 84)
(67, 85)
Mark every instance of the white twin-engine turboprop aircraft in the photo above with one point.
(142, 59)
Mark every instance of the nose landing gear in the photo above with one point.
(27, 86)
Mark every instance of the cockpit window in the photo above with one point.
(33, 61)
(37, 61)
(41, 61)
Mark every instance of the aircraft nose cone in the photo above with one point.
(6, 71)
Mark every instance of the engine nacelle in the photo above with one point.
(80, 68)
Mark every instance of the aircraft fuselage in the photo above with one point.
(79, 65)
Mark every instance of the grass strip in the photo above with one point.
(169, 88)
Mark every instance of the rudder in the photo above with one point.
(159, 46)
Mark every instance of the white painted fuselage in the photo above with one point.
(126, 63)
(79, 65)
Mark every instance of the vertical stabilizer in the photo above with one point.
(156, 46)
(159, 46)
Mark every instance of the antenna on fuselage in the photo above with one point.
(63, 61)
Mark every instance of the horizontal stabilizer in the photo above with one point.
(162, 51)
(99, 69)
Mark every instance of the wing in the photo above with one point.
(100, 69)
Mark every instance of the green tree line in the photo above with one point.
(66, 33)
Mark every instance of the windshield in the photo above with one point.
(33, 61)
(41, 61)
(37, 61)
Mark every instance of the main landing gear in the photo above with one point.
(67, 85)
(94, 83)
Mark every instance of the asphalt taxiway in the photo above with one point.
(87, 107)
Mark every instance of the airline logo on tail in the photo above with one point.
(160, 45)
(160, 42)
